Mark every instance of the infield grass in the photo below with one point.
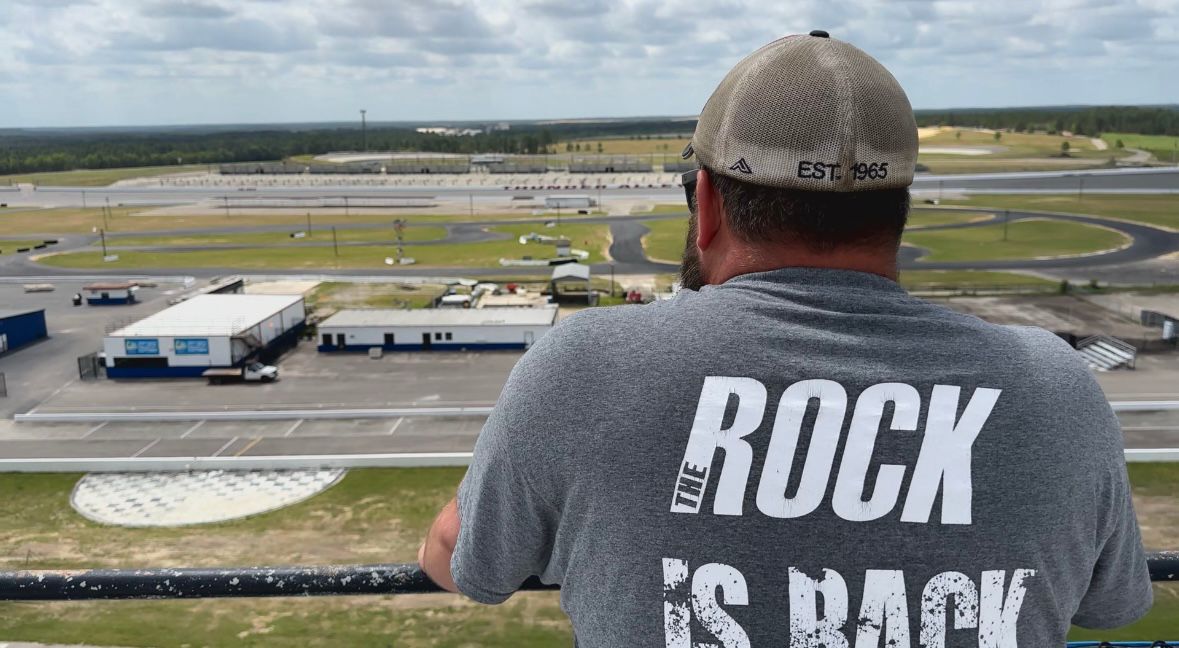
(1163, 147)
(1149, 209)
(484, 254)
(1025, 239)
(98, 177)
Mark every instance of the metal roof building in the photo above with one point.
(435, 329)
(206, 331)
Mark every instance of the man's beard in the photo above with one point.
(691, 274)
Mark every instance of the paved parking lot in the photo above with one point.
(35, 371)
(308, 380)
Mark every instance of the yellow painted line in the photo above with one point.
(249, 445)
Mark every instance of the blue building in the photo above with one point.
(106, 294)
(21, 327)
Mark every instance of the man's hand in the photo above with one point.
(434, 556)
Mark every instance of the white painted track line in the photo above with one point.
(225, 447)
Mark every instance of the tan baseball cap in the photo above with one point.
(809, 112)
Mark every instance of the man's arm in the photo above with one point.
(438, 548)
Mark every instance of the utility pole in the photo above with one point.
(335, 245)
(399, 227)
(1006, 217)
(363, 130)
(102, 235)
(308, 222)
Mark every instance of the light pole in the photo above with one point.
(363, 131)
(102, 235)
(1006, 217)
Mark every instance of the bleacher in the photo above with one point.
(1104, 352)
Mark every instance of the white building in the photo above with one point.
(202, 332)
(568, 202)
(435, 328)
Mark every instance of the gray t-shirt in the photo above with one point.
(804, 457)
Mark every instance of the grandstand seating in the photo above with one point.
(1104, 352)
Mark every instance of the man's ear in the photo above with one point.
(709, 210)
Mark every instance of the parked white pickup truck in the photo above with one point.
(253, 372)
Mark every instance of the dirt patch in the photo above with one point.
(1058, 313)
(1158, 519)
(331, 297)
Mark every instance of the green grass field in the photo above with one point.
(656, 210)
(129, 221)
(1025, 240)
(1150, 209)
(9, 246)
(665, 241)
(669, 147)
(411, 234)
(97, 177)
(913, 279)
(484, 254)
(1020, 152)
(372, 515)
(1164, 147)
(919, 218)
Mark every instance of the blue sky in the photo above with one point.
(144, 62)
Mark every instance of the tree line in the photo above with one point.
(27, 151)
(1086, 120)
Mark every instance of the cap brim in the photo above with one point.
(688, 151)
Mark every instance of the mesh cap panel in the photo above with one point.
(810, 113)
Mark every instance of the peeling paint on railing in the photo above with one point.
(184, 583)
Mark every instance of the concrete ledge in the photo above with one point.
(375, 413)
(1150, 455)
(1144, 406)
(248, 415)
(185, 464)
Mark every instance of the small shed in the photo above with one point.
(21, 327)
(110, 293)
(570, 282)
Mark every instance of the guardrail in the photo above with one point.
(333, 580)
(247, 582)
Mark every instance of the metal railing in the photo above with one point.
(244, 582)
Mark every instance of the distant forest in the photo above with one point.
(30, 151)
(27, 151)
(1091, 121)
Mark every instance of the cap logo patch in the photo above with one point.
(741, 166)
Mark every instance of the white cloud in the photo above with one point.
(78, 62)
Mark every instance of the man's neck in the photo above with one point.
(753, 260)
